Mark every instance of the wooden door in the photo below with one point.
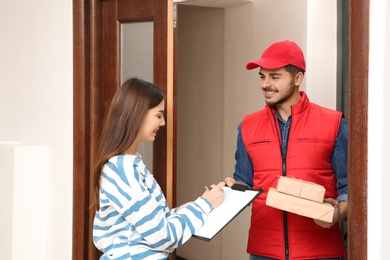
(97, 67)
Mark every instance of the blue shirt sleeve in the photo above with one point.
(340, 161)
(244, 167)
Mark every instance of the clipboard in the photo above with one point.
(235, 200)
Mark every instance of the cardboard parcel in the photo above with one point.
(287, 197)
(301, 189)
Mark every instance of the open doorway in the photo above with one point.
(214, 92)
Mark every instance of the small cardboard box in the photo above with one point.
(307, 208)
(301, 189)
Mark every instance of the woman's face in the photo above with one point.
(153, 120)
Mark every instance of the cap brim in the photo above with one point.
(265, 63)
(252, 65)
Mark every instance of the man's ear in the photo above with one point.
(298, 78)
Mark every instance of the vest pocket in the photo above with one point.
(259, 142)
(314, 140)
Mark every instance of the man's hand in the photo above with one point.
(230, 181)
(340, 212)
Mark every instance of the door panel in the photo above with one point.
(97, 74)
(137, 60)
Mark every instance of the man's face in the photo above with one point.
(277, 85)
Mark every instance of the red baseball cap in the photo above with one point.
(278, 55)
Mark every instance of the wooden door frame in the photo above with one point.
(357, 144)
(96, 70)
(87, 19)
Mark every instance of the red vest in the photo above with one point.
(311, 140)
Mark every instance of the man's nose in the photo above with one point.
(266, 82)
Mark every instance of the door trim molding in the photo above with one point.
(357, 130)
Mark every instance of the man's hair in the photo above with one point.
(293, 70)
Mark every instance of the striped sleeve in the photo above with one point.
(139, 207)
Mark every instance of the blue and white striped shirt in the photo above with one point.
(134, 220)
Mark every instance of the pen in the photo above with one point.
(207, 187)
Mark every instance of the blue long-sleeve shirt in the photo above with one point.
(244, 165)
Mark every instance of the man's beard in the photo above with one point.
(284, 97)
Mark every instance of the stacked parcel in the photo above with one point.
(300, 197)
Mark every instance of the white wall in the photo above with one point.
(378, 129)
(36, 88)
(321, 52)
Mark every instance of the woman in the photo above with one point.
(133, 220)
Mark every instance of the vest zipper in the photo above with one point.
(285, 225)
(285, 216)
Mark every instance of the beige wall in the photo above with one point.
(200, 112)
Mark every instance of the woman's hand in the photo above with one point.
(215, 194)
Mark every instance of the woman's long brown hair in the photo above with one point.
(127, 110)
